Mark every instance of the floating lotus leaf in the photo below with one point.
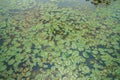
(95, 52)
(85, 69)
(116, 46)
(85, 55)
(36, 51)
(69, 51)
(27, 73)
(65, 78)
(2, 59)
(28, 49)
(75, 53)
(68, 62)
(10, 71)
(3, 67)
(74, 46)
(81, 59)
(64, 50)
(110, 50)
(117, 71)
(11, 61)
(18, 57)
(80, 48)
(16, 64)
(39, 76)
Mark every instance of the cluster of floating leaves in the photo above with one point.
(45, 42)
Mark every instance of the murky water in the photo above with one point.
(59, 40)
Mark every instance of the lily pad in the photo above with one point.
(3, 67)
(85, 69)
(85, 55)
(11, 61)
(28, 73)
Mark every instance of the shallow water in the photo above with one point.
(59, 40)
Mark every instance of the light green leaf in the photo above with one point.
(85, 55)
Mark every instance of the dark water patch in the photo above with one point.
(68, 55)
(101, 46)
(5, 63)
(9, 44)
(8, 66)
(20, 51)
(92, 48)
(118, 51)
(31, 60)
(33, 46)
(2, 77)
(118, 63)
(80, 53)
(36, 67)
(88, 74)
(3, 13)
(2, 40)
(38, 56)
(43, 47)
(118, 35)
(6, 19)
(12, 57)
(111, 54)
(90, 61)
(49, 65)
(110, 75)
(78, 63)
(35, 71)
(18, 28)
(111, 34)
(4, 27)
(23, 64)
(100, 62)
(116, 18)
(14, 10)
(119, 40)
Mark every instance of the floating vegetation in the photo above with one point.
(48, 42)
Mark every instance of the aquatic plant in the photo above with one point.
(51, 42)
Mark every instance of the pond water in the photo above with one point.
(59, 40)
(81, 3)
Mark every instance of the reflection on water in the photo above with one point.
(59, 40)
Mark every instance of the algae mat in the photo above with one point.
(47, 42)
